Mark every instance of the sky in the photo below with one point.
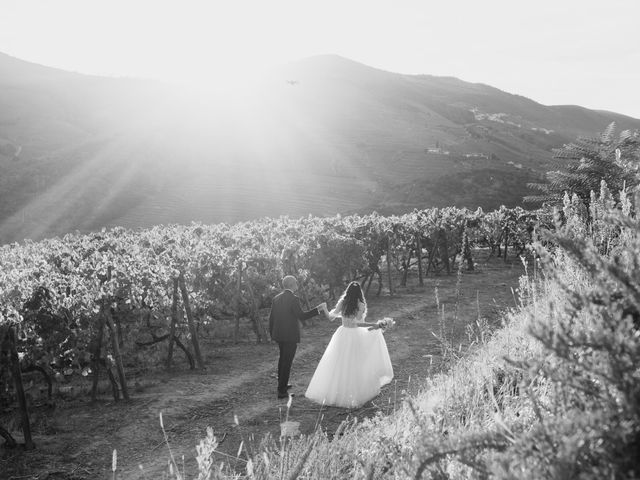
(582, 52)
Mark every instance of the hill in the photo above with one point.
(322, 135)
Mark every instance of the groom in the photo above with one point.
(284, 329)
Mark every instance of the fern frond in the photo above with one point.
(624, 135)
(607, 135)
(591, 160)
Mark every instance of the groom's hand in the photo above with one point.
(322, 309)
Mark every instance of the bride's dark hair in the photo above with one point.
(351, 299)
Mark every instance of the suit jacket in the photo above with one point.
(284, 316)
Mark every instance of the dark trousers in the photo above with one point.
(287, 352)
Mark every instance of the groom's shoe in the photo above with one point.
(289, 386)
(286, 395)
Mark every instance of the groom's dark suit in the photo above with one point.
(284, 329)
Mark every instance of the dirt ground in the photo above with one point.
(76, 439)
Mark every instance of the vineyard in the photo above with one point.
(97, 304)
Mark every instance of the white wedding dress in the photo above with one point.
(354, 366)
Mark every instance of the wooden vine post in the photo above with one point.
(174, 320)
(98, 362)
(174, 338)
(258, 327)
(365, 285)
(115, 344)
(118, 325)
(190, 321)
(506, 241)
(432, 253)
(389, 264)
(466, 248)
(379, 282)
(405, 265)
(236, 331)
(419, 252)
(8, 346)
(444, 248)
(116, 352)
(95, 361)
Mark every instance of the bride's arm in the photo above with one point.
(331, 315)
(336, 312)
(362, 313)
(372, 326)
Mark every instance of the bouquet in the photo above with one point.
(385, 323)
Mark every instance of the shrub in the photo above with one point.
(592, 160)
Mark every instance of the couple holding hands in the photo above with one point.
(356, 362)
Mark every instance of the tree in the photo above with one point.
(591, 160)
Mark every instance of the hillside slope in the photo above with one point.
(322, 135)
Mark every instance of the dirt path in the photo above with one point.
(76, 440)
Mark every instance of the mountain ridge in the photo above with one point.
(322, 135)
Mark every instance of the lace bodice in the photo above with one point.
(352, 320)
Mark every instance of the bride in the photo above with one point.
(356, 362)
